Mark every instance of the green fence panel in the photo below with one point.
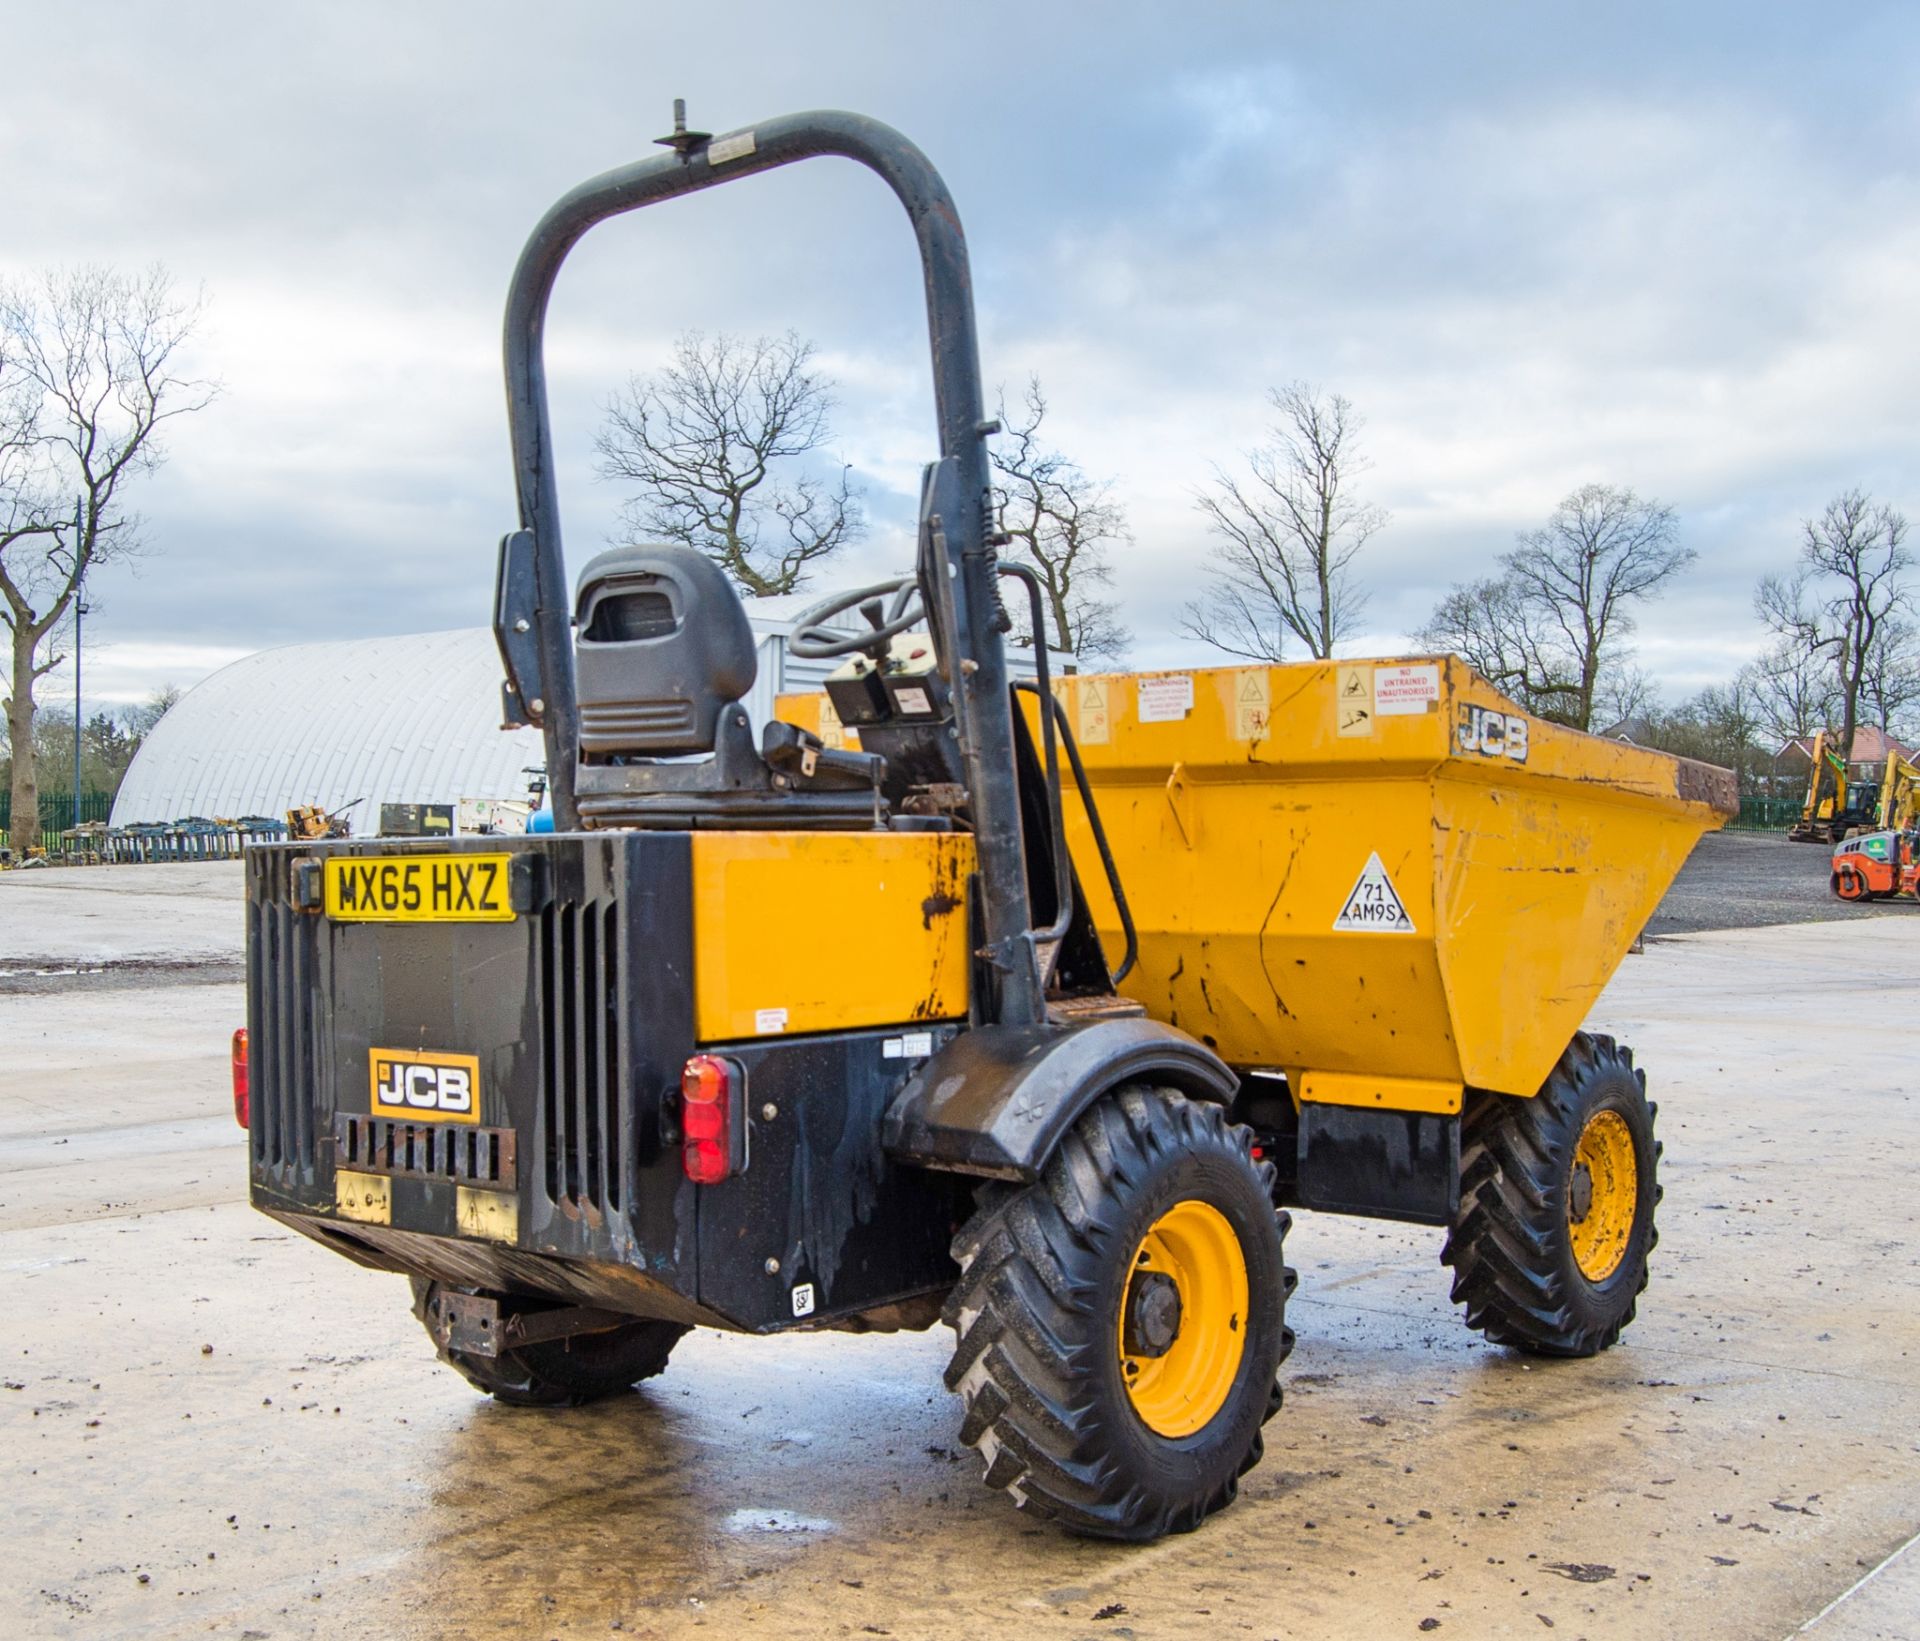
(56, 814)
(1766, 814)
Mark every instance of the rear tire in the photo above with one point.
(1557, 1195)
(558, 1372)
(1119, 1324)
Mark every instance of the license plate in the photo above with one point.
(419, 889)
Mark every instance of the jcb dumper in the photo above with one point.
(1033, 1013)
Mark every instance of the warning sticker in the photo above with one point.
(1398, 690)
(1252, 704)
(1353, 700)
(1094, 727)
(1166, 700)
(832, 731)
(1374, 905)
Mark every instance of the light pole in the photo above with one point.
(79, 609)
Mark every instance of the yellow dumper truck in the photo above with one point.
(1034, 1012)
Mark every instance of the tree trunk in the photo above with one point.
(25, 825)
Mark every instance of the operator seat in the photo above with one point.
(662, 647)
(663, 654)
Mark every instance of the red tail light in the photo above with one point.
(240, 1077)
(712, 1126)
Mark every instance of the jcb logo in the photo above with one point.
(1492, 734)
(427, 1087)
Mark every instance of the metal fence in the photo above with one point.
(56, 815)
(1759, 814)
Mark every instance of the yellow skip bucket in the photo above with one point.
(1382, 878)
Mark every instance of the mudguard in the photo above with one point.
(996, 1099)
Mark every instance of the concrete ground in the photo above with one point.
(210, 1426)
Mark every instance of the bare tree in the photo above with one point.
(1063, 523)
(718, 443)
(1723, 726)
(1794, 690)
(1844, 602)
(1625, 691)
(90, 369)
(1603, 550)
(1491, 626)
(1890, 681)
(140, 718)
(1555, 623)
(1287, 531)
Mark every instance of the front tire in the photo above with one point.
(1119, 1324)
(558, 1372)
(1549, 1245)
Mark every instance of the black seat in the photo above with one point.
(663, 653)
(662, 647)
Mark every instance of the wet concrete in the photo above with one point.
(210, 1426)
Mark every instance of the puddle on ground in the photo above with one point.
(777, 1521)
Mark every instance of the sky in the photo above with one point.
(1536, 245)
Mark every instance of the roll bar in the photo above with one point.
(539, 643)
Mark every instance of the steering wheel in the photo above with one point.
(813, 640)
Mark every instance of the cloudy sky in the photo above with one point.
(1536, 244)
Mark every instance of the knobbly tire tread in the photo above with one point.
(1509, 1246)
(549, 1374)
(1051, 1428)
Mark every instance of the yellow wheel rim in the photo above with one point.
(1603, 1195)
(1178, 1391)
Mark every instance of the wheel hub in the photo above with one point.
(1580, 1197)
(1181, 1331)
(1153, 1315)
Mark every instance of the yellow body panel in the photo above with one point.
(827, 931)
(1526, 858)
(815, 713)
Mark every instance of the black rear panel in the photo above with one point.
(579, 1014)
(546, 1003)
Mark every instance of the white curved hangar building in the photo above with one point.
(413, 719)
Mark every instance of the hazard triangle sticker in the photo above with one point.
(1374, 905)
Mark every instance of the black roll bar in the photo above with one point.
(979, 670)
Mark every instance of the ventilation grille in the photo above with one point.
(604, 720)
(284, 1074)
(419, 1150)
(584, 1062)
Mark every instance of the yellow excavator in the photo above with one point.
(1899, 794)
(1835, 805)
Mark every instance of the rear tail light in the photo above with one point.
(240, 1076)
(713, 1137)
